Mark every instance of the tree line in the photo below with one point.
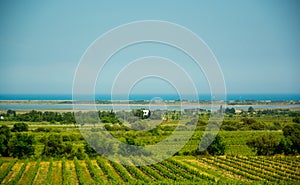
(268, 144)
(58, 117)
(21, 144)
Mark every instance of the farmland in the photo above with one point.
(71, 161)
(175, 170)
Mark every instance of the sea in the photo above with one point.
(205, 97)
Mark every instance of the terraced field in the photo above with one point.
(175, 170)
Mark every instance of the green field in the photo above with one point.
(77, 165)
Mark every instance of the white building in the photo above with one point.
(146, 113)
(237, 111)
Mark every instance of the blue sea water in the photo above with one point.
(241, 97)
(45, 106)
(110, 107)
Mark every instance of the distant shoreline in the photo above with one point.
(61, 103)
(147, 102)
(66, 105)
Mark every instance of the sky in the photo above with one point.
(256, 43)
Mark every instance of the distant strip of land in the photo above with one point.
(146, 102)
(67, 105)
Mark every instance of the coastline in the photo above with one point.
(144, 102)
(67, 106)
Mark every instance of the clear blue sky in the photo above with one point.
(257, 43)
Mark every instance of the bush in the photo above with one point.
(292, 132)
(201, 123)
(55, 147)
(89, 150)
(248, 121)
(42, 129)
(102, 145)
(285, 147)
(5, 135)
(21, 145)
(296, 120)
(213, 145)
(230, 125)
(69, 137)
(71, 151)
(257, 126)
(20, 127)
(277, 125)
(230, 110)
(265, 144)
(229, 128)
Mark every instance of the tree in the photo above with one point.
(108, 117)
(89, 150)
(140, 113)
(230, 125)
(11, 113)
(230, 110)
(257, 126)
(102, 145)
(21, 145)
(68, 117)
(54, 146)
(296, 119)
(4, 130)
(216, 147)
(292, 132)
(131, 148)
(251, 110)
(265, 144)
(248, 121)
(285, 146)
(5, 135)
(20, 127)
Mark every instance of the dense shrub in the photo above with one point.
(89, 150)
(20, 127)
(54, 147)
(214, 145)
(292, 132)
(230, 110)
(21, 145)
(43, 129)
(5, 135)
(296, 119)
(285, 146)
(265, 144)
(230, 125)
(69, 137)
(248, 121)
(257, 126)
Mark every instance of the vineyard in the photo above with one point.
(57, 153)
(175, 170)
